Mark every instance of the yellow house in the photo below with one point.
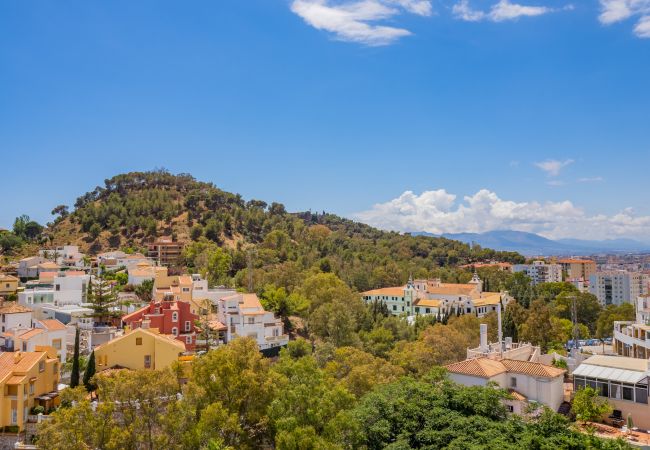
(8, 284)
(27, 379)
(140, 348)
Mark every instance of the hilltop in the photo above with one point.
(135, 208)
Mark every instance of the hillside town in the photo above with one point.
(130, 311)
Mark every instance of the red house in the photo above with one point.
(169, 317)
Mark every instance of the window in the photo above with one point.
(513, 382)
(628, 393)
(251, 320)
(175, 331)
(14, 416)
(188, 340)
(147, 361)
(188, 325)
(138, 341)
(58, 287)
(174, 317)
(56, 343)
(41, 366)
(394, 307)
(510, 408)
(31, 388)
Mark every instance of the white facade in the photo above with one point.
(10, 320)
(244, 315)
(116, 259)
(540, 272)
(66, 255)
(70, 290)
(534, 382)
(28, 267)
(617, 287)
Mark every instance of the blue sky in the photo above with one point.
(536, 111)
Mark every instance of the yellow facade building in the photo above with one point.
(140, 348)
(174, 287)
(8, 284)
(27, 379)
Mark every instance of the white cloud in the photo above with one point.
(590, 179)
(439, 212)
(499, 12)
(360, 20)
(552, 167)
(613, 11)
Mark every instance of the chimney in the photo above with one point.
(484, 338)
(17, 356)
(500, 330)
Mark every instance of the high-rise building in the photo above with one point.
(540, 272)
(617, 287)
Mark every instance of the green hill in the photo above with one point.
(134, 208)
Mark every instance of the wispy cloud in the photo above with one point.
(555, 183)
(360, 20)
(440, 212)
(499, 12)
(553, 167)
(590, 179)
(613, 11)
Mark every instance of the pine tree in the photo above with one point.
(74, 376)
(103, 298)
(89, 373)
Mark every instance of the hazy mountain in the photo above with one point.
(534, 244)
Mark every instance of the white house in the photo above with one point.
(244, 315)
(28, 267)
(50, 333)
(527, 381)
(144, 270)
(13, 315)
(116, 259)
(66, 256)
(70, 288)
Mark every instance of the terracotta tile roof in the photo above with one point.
(397, 291)
(28, 334)
(52, 324)
(451, 289)
(27, 361)
(48, 265)
(15, 379)
(531, 368)
(7, 277)
(430, 302)
(478, 367)
(13, 308)
(487, 298)
(517, 396)
(487, 368)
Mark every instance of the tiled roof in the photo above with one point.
(7, 277)
(451, 289)
(430, 302)
(487, 298)
(52, 324)
(532, 368)
(13, 308)
(487, 368)
(397, 291)
(27, 361)
(517, 396)
(28, 334)
(478, 367)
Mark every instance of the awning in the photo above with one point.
(610, 373)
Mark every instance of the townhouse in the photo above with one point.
(170, 317)
(243, 315)
(27, 379)
(139, 348)
(44, 333)
(8, 285)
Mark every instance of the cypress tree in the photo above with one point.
(74, 376)
(89, 372)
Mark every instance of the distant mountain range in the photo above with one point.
(531, 244)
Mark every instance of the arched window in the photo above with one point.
(174, 316)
